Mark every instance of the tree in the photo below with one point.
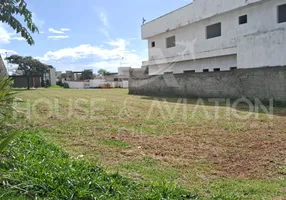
(29, 66)
(9, 9)
(103, 72)
(87, 74)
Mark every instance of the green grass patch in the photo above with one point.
(115, 143)
(6, 193)
(36, 169)
(247, 189)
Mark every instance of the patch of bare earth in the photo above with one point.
(253, 154)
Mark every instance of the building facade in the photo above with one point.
(217, 35)
(3, 70)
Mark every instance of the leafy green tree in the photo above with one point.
(29, 66)
(87, 74)
(9, 9)
(103, 72)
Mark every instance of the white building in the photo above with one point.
(3, 70)
(217, 35)
(53, 76)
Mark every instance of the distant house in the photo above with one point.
(3, 70)
(73, 76)
(20, 81)
(51, 76)
(36, 81)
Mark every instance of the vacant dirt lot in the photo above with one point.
(189, 141)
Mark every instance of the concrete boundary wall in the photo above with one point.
(262, 83)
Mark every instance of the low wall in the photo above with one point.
(97, 84)
(262, 83)
(77, 85)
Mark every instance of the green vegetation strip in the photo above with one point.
(32, 168)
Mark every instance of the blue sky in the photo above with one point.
(87, 34)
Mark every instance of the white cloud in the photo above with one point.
(85, 55)
(65, 29)
(58, 37)
(103, 18)
(60, 31)
(86, 50)
(51, 30)
(6, 37)
(39, 22)
(18, 38)
(104, 32)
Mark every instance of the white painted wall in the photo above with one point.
(191, 39)
(96, 83)
(53, 76)
(263, 49)
(76, 85)
(125, 84)
(196, 11)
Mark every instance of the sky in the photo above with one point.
(87, 34)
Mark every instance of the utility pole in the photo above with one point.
(121, 61)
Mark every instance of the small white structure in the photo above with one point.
(53, 76)
(217, 35)
(3, 70)
(50, 76)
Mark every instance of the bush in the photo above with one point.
(6, 110)
(6, 97)
(60, 83)
(66, 85)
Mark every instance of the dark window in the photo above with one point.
(243, 19)
(216, 69)
(190, 71)
(282, 13)
(171, 42)
(206, 70)
(233, 68)
(214, 31)
(153, 44)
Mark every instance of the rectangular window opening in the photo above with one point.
(282, 13)
(206, 70)
(216, 69)
(171, 42)
(233, 68)
(190, 71)
(153, 44)
(213, 31)
(243, 19)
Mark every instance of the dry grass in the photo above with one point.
(152, 139)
